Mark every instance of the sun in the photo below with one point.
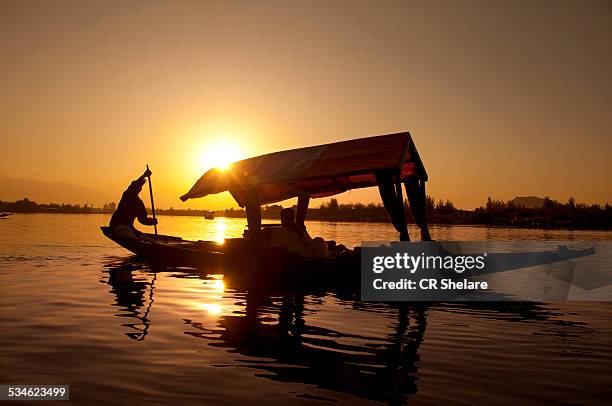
(220, 155)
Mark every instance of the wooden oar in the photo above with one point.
(152, 204)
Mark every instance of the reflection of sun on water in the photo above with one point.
(215, 288)
(220, 227)
(218, 285)
(212, 308)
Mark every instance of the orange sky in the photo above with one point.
(502, 98)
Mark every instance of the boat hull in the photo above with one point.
(238, 259)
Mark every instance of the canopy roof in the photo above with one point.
(318, 171)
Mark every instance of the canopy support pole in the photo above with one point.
(390, 189)
(401, 215)
(415, 189)
(302, 208)
(253, 212)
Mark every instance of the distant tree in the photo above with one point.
(430, 203)
(333, 206)
(26, 205)
(109, 207)
(495, 204)
(549, 203)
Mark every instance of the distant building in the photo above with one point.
(530, 202)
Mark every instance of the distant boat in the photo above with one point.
(5, 214)
(209, 215)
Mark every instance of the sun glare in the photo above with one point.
(221, 155)
(212, 308)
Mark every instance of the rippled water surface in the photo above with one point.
(76, 309)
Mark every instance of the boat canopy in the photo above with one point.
(318, 171)
(385, 161)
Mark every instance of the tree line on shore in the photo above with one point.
(550, 214)
(26, 205)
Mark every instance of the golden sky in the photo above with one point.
(503, 98)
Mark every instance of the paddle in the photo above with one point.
(152, 204)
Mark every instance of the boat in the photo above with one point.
(209, 215)
(5, 214)
(386, 161)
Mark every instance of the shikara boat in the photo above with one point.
(387, 162)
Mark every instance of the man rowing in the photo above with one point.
(130, 208)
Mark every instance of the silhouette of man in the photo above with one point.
(130, 208)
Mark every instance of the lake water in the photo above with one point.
(76, 309)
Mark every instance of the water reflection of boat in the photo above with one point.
(379, 368)
(287, 336)
(131, 296)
